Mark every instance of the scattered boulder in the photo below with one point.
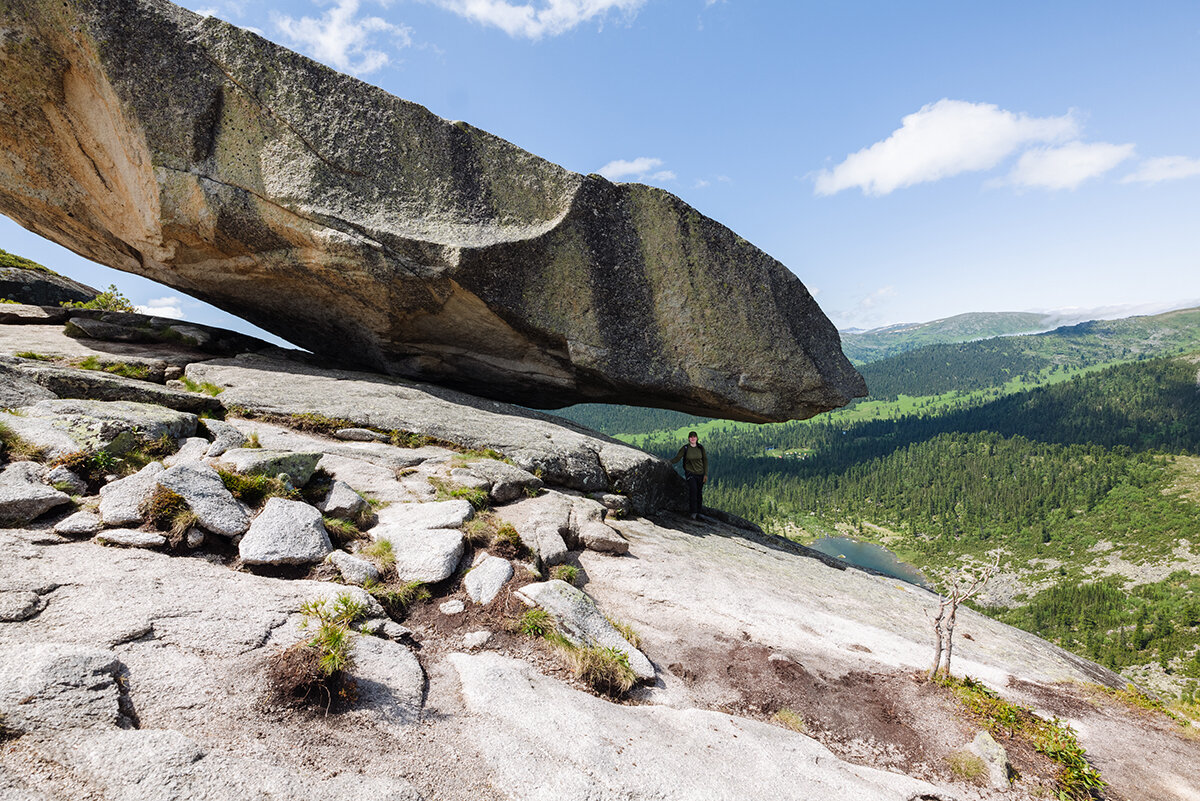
(994, 757)
(131, 538)
(508, 482)
(560, 451)
(617, 504)
(542, 523)
(193, 449)
(201, 487)
(452, 607)
(285, 533)
(581, 622)
(121, 501)
(353, 569)
(259, 461)
(466, 478)
(17, 605)
(23, 496)
(83, 523)
(225, 436)
(63, 479)
(50, 686)
(343, 501)
(476, 639)
(485, 580)
(416, 516)
(425, 555)
(390, 679)
(596, 536)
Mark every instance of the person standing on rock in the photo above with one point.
(695, 472)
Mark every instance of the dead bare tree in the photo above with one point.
(961, 585)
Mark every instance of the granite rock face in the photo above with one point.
(362, 226)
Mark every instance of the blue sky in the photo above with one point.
(907, 160)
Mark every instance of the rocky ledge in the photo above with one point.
(153, 575)
(362, 226)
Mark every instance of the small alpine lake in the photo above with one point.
(869, 555)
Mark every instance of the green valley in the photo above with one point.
(1076, 453)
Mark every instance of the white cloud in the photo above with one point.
(1164, 168)
(664, 175)
(1068, 166)
(701, 183)
(341, 38)
(866, 311)
(535, 20)
(616, 170)
(163, 307)
(940, 140)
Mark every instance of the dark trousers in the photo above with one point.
(695, 485)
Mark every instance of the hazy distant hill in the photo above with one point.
(972, 366)
(878, 343)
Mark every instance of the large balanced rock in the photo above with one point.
(362, 226)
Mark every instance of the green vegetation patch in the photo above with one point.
(254, 490)
(1158, 622)
(204, 387)
(11, 260)
(110, 299)
(1077, 779)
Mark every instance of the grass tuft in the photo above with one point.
(398, 599)
(205, 387)
(15, 448)
(966, 766)
(535, 623)
(254, 490)
(567, 573)
(507, 542)
(448, 491)
(382, 553)
(790, 720)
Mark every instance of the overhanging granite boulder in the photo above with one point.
(363, 227)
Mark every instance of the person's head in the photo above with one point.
(692, 438)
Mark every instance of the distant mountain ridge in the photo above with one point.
(862, 346)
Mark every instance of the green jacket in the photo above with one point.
(695, 460)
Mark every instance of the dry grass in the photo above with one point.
(790, 720)
(966, 767)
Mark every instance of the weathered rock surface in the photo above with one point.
(63, 479)
(66, 426)
(414, 245)
(205, 493)
(132, 538)
(994, 757)
(546, 740)
(55, 685)
(485, 580)
(299, 467)
(42, 287)
(193, 449)
(565, 454)
(23, 496)
(285, 533)
(425, 555)
(121, 501)
(581, 622)
(417, 516)
(70, 382)
(168, 765)
(225, 436)
(343, 501)
(17, 605)
(81, 524)
(507, 482)
(353, 569)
